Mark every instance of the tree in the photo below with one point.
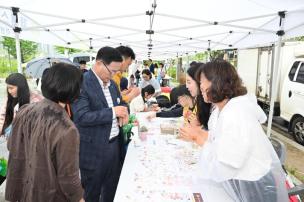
(200, 57)
(28, 48)
(60, 49)
(299, 38)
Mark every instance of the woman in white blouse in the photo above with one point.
(235, 151)
(148, 79)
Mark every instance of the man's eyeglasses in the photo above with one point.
(110, 71)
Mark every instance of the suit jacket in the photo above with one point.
(43, 161)
(94, 118)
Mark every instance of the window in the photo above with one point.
(300, 77)
(81, 58)
(293, 70)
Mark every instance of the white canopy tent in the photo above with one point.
(176, 27)
(156, 29)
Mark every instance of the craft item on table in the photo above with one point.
(170, 127)
(143, 136)
(143, 129)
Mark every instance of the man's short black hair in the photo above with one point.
(108, 54)
(61, 83)
(126, 52)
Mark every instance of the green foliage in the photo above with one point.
(200, 57)
(60, 49)
(292, 170)
(299, 38)
(171, 71)
(295, 172)
(217, 54)
(7, 66)
(28, 48)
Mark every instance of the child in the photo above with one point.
(138, 104)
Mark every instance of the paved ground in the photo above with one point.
(294, 158)
(295, 153)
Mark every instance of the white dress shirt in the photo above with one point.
(107, 94)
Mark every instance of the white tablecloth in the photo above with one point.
(163, 168)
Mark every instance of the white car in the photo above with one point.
(292, 99)
(88, 57)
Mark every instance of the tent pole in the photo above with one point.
(18, 52)
(187, 67)
(17, 31)
(275, 74)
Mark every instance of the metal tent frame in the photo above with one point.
(151, 46)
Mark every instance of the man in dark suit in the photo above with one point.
(98, 115)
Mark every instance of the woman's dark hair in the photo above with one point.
(147, 72)
(225, 81)
(148, 89)
(61, 83)
(23, 97)
(203, 108)
(193, 63)
(191, 71)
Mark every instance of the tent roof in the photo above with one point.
(179, 27)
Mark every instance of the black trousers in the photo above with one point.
(100, 184)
